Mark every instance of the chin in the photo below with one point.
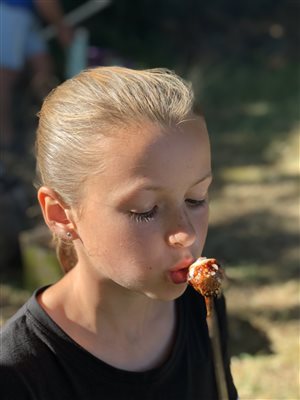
(168, 294)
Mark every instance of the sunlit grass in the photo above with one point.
(253, 117)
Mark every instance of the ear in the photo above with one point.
(56, 214)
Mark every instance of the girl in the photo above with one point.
(124, 165)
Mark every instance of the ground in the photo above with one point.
(255, 226)
(263, 288)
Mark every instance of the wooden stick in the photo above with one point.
(214, 335)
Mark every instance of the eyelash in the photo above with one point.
(196, 203)
(149, 215)
(145, 216)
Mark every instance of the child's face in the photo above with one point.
(147, 212)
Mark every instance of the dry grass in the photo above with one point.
(263, 288)
(274, 310)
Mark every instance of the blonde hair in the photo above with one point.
(94, 104)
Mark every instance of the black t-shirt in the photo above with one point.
(39, 361)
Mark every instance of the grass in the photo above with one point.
(254, 124)
(253, 118)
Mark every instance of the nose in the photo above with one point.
(182, 239)
(183, 234)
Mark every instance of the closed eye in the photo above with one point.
(196, 203)
(144, 216)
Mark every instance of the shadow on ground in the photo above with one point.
(256, 240)
(245, 338)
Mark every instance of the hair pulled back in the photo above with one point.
(94, 104)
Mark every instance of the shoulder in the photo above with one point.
(20, 337)
(13, 334)
(15, 348)
(26, 358)
(12, 385)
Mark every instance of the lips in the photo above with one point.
(179, 273)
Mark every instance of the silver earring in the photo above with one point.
(69, 235)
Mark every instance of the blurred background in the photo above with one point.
(243, 60)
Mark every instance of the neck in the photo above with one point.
(105, 302)
(124, 328)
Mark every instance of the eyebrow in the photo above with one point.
(159, 188)
(136, 188)
(204, 178)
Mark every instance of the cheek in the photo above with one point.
(130, 257)
(121, 238)
(201, 225)
(141, 249)
(138, 238)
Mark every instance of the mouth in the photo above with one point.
(179, 273)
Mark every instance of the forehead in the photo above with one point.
(155, 155)
(138, 145)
